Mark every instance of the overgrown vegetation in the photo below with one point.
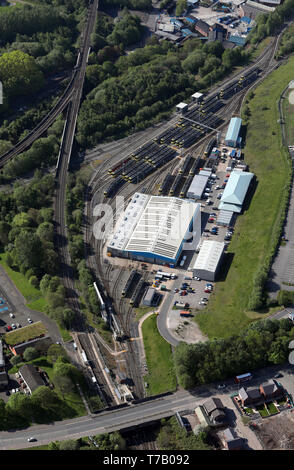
(173, 437)
(269, 24)
(161, 376)
(128, 92)
(261, 344)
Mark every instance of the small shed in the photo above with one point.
(182, 108)
(198, 97)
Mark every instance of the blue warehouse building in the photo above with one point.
(233, 132)
(154, 229)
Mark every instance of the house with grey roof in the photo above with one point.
(30, 377)
(250, 396)
(270, 391)
(3, 374)
(231, 440)
(215, 410)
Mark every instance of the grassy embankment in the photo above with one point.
(35, 298)
(255, 230)
(161, 377)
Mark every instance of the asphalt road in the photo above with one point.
(134, 415)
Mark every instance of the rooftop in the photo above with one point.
(26, 333)
(209, 255)
(213, 404)
(154, 224)
(31, 376)
(235, 191)
(234, 128)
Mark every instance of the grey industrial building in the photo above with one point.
(151, 297)
(197, 187)
(209, 260)
(224, 218)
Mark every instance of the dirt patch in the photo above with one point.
(277, 432)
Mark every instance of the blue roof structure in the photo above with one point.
(237, 40)
(233, 132)
(235, 191)
(246, 19)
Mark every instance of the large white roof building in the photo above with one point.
(154, 228)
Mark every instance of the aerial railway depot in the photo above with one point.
(183, 191)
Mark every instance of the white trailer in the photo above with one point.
(168, 275)
(84, 357)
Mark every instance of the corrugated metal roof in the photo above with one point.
(234, 128)
(235, 191)
(209, 255)
(197, 186)
(224, 217)
(154, 224)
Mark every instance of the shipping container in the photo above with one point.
(185, 313)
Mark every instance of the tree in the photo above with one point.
(69, 445)
(45, 398)
(30, 353)
(56, 351)
(63, 383)
(15, 360)
(181, 7)
(20, 404)
(28, 249)
(20, 74)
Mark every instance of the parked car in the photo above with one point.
(13, 326)
(222, 386)
(208, 284)
(211, 219)
(227, 237)
(18, 325)
(11, 315)
(196, 278)
(219, 196)
(176, 290)
(207, 291)
(205, 299)
(202, 302)
(278, 375)
(217, 186)
(206, 230)
(30, 320)
(32, 439)
(213, 214)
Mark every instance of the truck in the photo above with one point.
(168, 275)
(185, 313)
(181, 304)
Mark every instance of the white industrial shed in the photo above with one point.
(224, 218)
(154, 228)
(209, 260)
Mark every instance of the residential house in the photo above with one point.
(231, 440)
(215, 410)
(270, 391)
(30, 377)
(250, 396)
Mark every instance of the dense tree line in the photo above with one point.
(269, 24)
(132, 91)
(144, 5)
(287, 43)
(113, 441)
(261, 344)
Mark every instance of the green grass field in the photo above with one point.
(161, 377)
(25, 333)
(33, 296)
(288, 112)
(253, 238)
